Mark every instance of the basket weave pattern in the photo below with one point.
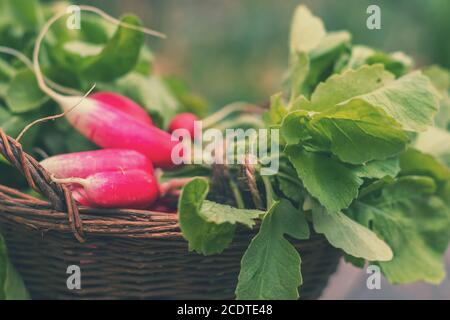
(123, 254)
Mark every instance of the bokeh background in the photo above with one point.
(237, 49)
(230, 50)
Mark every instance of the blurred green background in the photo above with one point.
(237, 50)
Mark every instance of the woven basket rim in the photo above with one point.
(62, 214)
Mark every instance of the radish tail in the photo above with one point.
(28, 127)
(79, 181)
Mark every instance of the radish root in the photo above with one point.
(54, 117)
(79, 181)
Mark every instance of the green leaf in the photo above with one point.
(440, 78)
(357, 132)
(291, 187)
(219, 214)
(152, 93)
(6, 71)
(270, 268)
(294, 127)
(118, 57)
(396, 62)
(414, 223)
(350, 236)
(27, 13)
(415, 162)
(324, 57)
(351, 83)
(23, 93)
(306, 31)
(209, 227)
(411, 100)
(11, 284)
(325, 178)
(82, 49)
(379, 169)
(436, 142)
(190, 102)
(357, 262)
(299, 70)
(277, 110)
(308, 38)
(203, 237)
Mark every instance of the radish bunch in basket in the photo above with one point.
(121, 175)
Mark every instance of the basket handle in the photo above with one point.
(39, 180)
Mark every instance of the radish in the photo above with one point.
(80, 196)
(103, 124)
(84, 164)
(133, 189)
(124, 104)
(184, 121)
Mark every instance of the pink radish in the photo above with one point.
(102, 123)
(133, 189)
(184, 121)
(84, 164)
(80, 196)
(124, 104)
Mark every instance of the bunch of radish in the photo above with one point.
(122, 174)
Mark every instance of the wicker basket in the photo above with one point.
(123, 254)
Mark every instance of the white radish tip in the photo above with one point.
(79, 181)
(54, 117)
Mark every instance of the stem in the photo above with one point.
(249, 172)
(229, 109)
(270, 195)
(172, 185)
(291, 179)
(241, 120)
(237, 195)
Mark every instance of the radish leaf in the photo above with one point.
(122, 51)
(23, 93)
(11, 284)
(414, 223)
(379, 169)
(350, 236)
(325, 178)
(209, 227)
(351, 83)
(152, 94)
(270, 268)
